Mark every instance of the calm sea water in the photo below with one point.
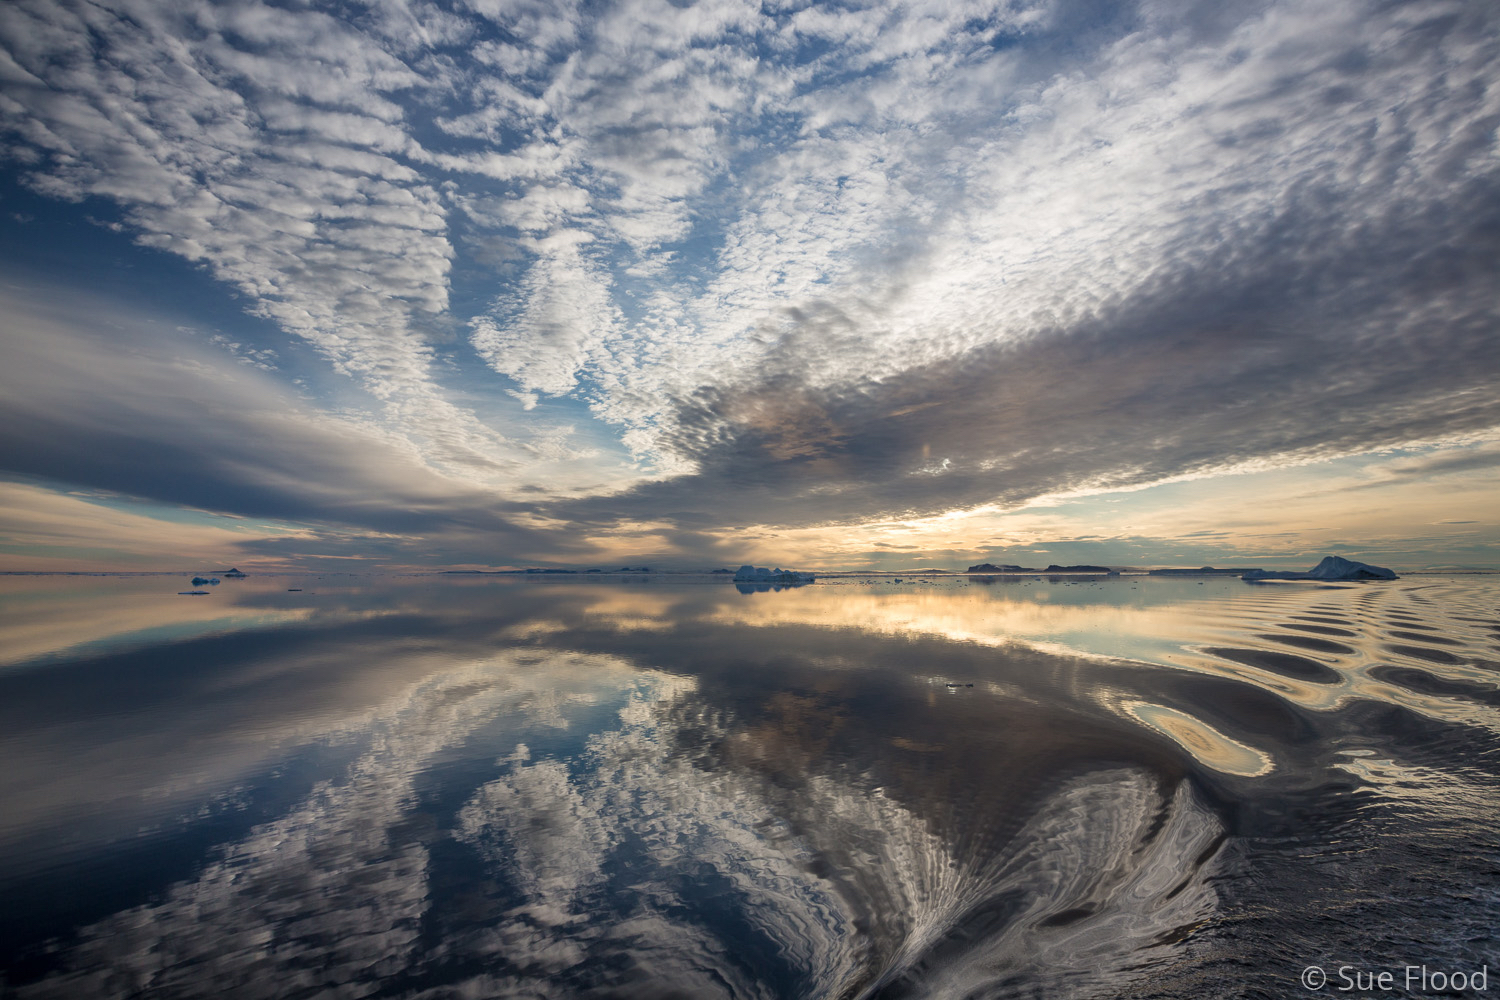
(448, 787)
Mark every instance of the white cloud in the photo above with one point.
(99, 396)
(259, 141)
(562, 312)
(693, 202)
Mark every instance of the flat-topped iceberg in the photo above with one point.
(759, 574)
(1331, 568)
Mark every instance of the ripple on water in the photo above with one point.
(1327, 620)
(1423, 637)
(1424, 653)
(1319, 629)
(1426, 682)
(1308, 642)
(1286, 664)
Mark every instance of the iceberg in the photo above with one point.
(759, 574)
(1330, 569)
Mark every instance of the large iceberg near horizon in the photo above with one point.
(1331, 568)
(759, 574)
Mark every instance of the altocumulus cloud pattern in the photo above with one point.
(803, 263)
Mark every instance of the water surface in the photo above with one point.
(654, 787)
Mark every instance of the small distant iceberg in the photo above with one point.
(205, 581)
(759, 574)
(192, 593)
(1332, 568)
(236, 574)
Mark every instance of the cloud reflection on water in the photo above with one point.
(609, 790)
(636, 848)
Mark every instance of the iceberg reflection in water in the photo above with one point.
(421, 787)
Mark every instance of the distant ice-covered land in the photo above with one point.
(1331, 568)
(759, 574)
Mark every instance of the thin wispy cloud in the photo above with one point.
(742, 264)
(129, 411)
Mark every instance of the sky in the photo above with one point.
(401, 284)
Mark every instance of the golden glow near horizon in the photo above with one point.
(45, 616)
(1361, 502)
(58, 531)
(1366, 506)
